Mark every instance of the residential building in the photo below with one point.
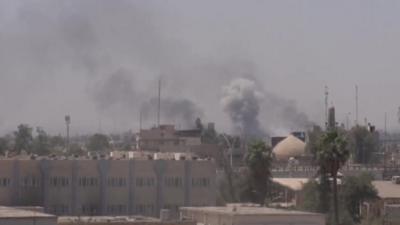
(387, 206)
(166, 138)
(104, 186)
(290, 191)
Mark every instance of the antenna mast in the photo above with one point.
(67, 123)
(140, 119)
(398, 115)
(326, 104)
(159, 102)
(356, 105)
(385, 124)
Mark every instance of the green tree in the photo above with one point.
(57, 141)
(311, 201)
(98, 142)
(355, 190)
(4, 144)
(76, 149)
(313, 138)
(363, 144)
(41, 143)
(23, 139)
(258, 161)
(331, 154)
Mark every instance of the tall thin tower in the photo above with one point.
(356, 105)
(398, 115)
(326, 105)
(159, 102)
(67, 123)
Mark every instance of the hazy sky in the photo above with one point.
(100, 60)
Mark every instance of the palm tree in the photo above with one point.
(259, 160)
(331, 154)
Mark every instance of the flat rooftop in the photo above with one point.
(9, 212)
(295, 184)
(386, 189)
(246, 210)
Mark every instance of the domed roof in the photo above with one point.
(289, 147)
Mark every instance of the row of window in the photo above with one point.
(200, 182)
(59, 209)
(173, 182)
(59, 181)
(145, 182)
(116, 182)
(89, 209)
(145, 209)
(5, 182)
(88, 181)
(92, 209)
(112, 182)
(30, 182)
(117, 209)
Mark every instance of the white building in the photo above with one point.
(249, 215)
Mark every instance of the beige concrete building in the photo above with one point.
(166, 138)
(250, 215)
(387, 206)
(290, 190)
(107, 186)
(15, 216)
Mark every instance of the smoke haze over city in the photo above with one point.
(100, 62)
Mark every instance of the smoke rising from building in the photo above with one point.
(117, 96)
(255, 112)
(181, 112)
(57, 58)
(241, 102)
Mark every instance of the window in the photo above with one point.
(87, 181)
(59, 209)
(30, 181)
(117, 209)
(59, 181)
(145, 181)
(145, 209)
(116, 182)
(201, 182)
(89, 209)
(5, 182)
(173, 182)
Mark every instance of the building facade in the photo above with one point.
(107, 187)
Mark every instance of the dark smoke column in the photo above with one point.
(241, 101)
